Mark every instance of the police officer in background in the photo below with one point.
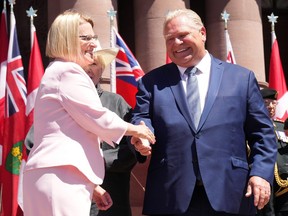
(278, 204)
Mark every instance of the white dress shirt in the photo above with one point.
(203, 76)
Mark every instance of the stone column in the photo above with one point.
(97, 10)
(245, 30)
(149, 42)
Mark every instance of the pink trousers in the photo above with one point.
(56, 191)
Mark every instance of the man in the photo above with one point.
(200, 167)
(120, 160)
(278, 204)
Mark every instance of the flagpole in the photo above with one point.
(272, 19)
(225, 17)
(31, 13)
(229, 51)
(111, 14)
(276, 74)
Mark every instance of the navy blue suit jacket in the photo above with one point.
(234, 114)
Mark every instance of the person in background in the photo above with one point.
(119, 161)
(278, 203)
(199, 164)
(286, 127)
(65, 166)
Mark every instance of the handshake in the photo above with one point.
(143, 144)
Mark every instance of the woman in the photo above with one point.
(65, 166)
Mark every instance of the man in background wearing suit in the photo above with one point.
(199, 164)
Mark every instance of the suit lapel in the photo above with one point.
(178, 92)
(216, 74)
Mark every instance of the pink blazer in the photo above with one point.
(69, 122)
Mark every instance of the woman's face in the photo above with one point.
(87, 42)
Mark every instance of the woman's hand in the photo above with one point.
(102, 198)
(141, 131)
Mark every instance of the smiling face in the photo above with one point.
(87, 43)
(185, 42)
(94, 71)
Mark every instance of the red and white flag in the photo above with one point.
(35, 73)
(14, 126)
(277, 80)
(229, 51)
(3, 71)
(128, 71)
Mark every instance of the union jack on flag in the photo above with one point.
(128, 71)
(16, 85)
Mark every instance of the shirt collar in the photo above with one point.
(203, 65)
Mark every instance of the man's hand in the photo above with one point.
(141, 145)
(260, 188)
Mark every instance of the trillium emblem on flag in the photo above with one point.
(14, 158)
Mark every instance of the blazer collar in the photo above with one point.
(178, 92)
(216, 75)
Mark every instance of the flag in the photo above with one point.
(229, 51)
(35, 73)
(168, 60)
(277, 80)
(3, 69)
(128, 71)
(14, 131)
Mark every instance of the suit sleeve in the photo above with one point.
(141, 112)
(260, 134)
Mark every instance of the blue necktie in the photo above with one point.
(193, 97)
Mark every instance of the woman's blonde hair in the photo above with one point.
(63, 36)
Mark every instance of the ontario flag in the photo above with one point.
(14, 125)
(3, 71)
(128, 71)
(35, 73)
(277, 80)
(229, 51)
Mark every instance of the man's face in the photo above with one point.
(271, 106)
(94, 71)
(184, 43)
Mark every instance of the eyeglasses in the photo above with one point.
(268, 102)
(89, 37)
